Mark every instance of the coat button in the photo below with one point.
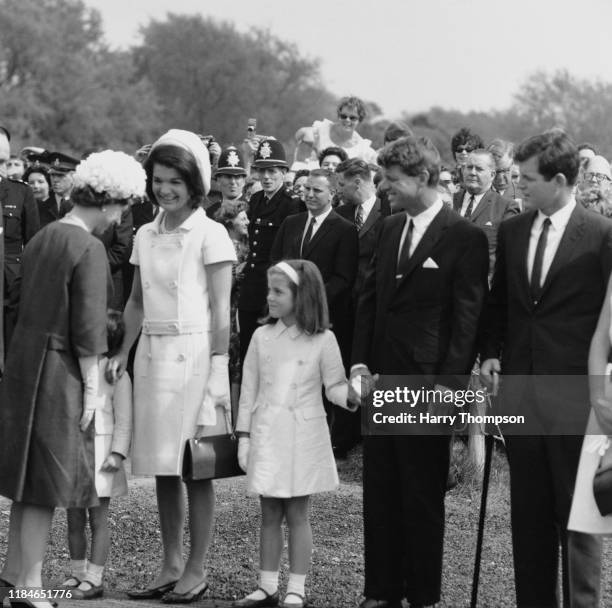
(149, 356)
(268, 381)
(173, 325)
(268, 358)
(254, 242)
(181, 357)
(147, 285)
(293, 385)
(252, 265)
(254, 254)
(173, 284)
(256, 231)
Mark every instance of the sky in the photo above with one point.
(409, 55)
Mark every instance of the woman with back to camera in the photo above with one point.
(50, 388)
(342, 133)
(180, 300)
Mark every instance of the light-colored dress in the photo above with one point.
(322, 139)
(113, 422)
(173, 356)
(281, 406)
(584, 515)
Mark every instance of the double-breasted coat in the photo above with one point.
(45, 459)
(173, 356)
(281, 406)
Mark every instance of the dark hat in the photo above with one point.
(32, 153)
(230, 162)
(6, 132)
(61, 163)
(270, 153)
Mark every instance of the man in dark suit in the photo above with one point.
(417, 317)
(361, 206)
(61, 172)
(480, 204)
(20, 222)
(267, 210)
(553, 264)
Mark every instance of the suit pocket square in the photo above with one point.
(429, 263)
(489, 224)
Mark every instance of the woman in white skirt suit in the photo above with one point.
(181, 301)
(585, 516)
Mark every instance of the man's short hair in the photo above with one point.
(355, 167)
(395, 130)
(500, 148)
(488, 155)
(587, 146)
(555, 152)
(412, 155)
(330, 176)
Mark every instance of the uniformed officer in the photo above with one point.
(20, 222)
(267, 210)
(61, 171)
(230, 176)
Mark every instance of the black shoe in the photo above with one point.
(271, 599)
(193, 595)
(370, 602)
(151, 593)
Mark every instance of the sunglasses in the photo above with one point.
(348, 117)
(464, 149)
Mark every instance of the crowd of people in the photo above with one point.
(148, 299)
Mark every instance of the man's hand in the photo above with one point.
(489, 374)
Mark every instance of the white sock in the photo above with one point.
(295, 585)
(268, 581)
(94, 574)
(78, 568)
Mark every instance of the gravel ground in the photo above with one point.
(336, 577)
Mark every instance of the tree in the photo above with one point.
(61, 87)
(210, 78)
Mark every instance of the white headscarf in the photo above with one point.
(192, 143)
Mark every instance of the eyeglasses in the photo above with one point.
(348, 117)
(460, 149)
(599, 177)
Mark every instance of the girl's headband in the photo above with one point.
(289, 271)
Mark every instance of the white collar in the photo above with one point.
(321, 217)
(423, 219)
(73, 220)
(559, 219)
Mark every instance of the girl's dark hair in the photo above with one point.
(333, 151)
(228, 212)
(115, 330)
(309, 298)
(40, 170)
(184, 163)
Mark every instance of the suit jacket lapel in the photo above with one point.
(458, 200)
(426, 244)
(571, 236)
(483, 205)
(3, 190)
(520, 259)
(371, 219)
(322, 230)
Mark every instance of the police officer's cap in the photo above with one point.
(230, 162)
(61, 163)
(270, 153)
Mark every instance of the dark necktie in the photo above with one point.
(470, 207)
(359, 217)
(536, 271)
(308, 235)
(404, 256)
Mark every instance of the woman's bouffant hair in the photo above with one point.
(115, 331)
(309, 298)
(183, 162)
(34, 169)
(228, 212)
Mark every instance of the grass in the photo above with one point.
(336, 577)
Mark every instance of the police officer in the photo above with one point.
(267, 210)
(230, 176)
(61, 170)
(19, 223)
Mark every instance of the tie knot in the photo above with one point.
(547, 222)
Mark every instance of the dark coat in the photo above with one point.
(553, 336)
(368, 237)
(491, 211)
(265, 218)
(48, 210)
(427, 323)
(45, 459)
(334, 248)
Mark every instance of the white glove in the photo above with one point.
(90, 405)
(217, 390)
(244, 444)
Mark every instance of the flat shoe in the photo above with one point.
(87, 594)
(193, 595)
(5, 583)
(269, 600)
(302, 603)
(151, 593)
(71, 582)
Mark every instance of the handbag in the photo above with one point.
(212, 457)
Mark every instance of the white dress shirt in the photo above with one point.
(421, 223)
(320, 219)
(366, 207)
(559, 221)
(466, 201)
